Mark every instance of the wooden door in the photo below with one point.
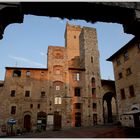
(94, 119)
(77, 119)
(57, 121)
(27, 123)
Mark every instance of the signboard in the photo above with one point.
(11, 121)
(39, 121)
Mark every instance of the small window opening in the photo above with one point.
(13, 93)
(16, 73)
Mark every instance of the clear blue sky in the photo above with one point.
(26, 44)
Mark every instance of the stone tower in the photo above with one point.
(89, 59)
(72, 33)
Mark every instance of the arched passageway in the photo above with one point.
(109, 107)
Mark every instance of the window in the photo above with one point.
(13, 110)
(27, 93)
(74, 36)
(126, 55)
(76, 76)
(42, 73)
(118, 61)
(28, 73)
(77, 91)
(91, 59)
(93, 82)
(43, 94)
(131, 91)
(77, 105)
(93, 92)
(31, 105)
(94, 106)
(122, 94)
(128, 71)
(57, 87)
(58, 100)
(120, 75)
(16, 73)
(13, 93)
(38, 106)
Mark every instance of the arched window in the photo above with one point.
(93, 82)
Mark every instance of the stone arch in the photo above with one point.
(113, 12)
(109, 107)
(27, 124)
(134, 107)
(58, 83)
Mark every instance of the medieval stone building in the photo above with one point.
(127, 80)
(68, 93)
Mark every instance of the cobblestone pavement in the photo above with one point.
(86, 132)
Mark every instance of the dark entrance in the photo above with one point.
(94, 119)
(57, 121)
(137, 120)
(27, 123)
(108, 109)
(41, 121)
(77, 119)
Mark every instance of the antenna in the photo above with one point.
(16, 64)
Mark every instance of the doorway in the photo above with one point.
(137, 120)
(27, 123)
(41, 121)
(109, 107)
(94, 119)
(77, 119)
(57, 121)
